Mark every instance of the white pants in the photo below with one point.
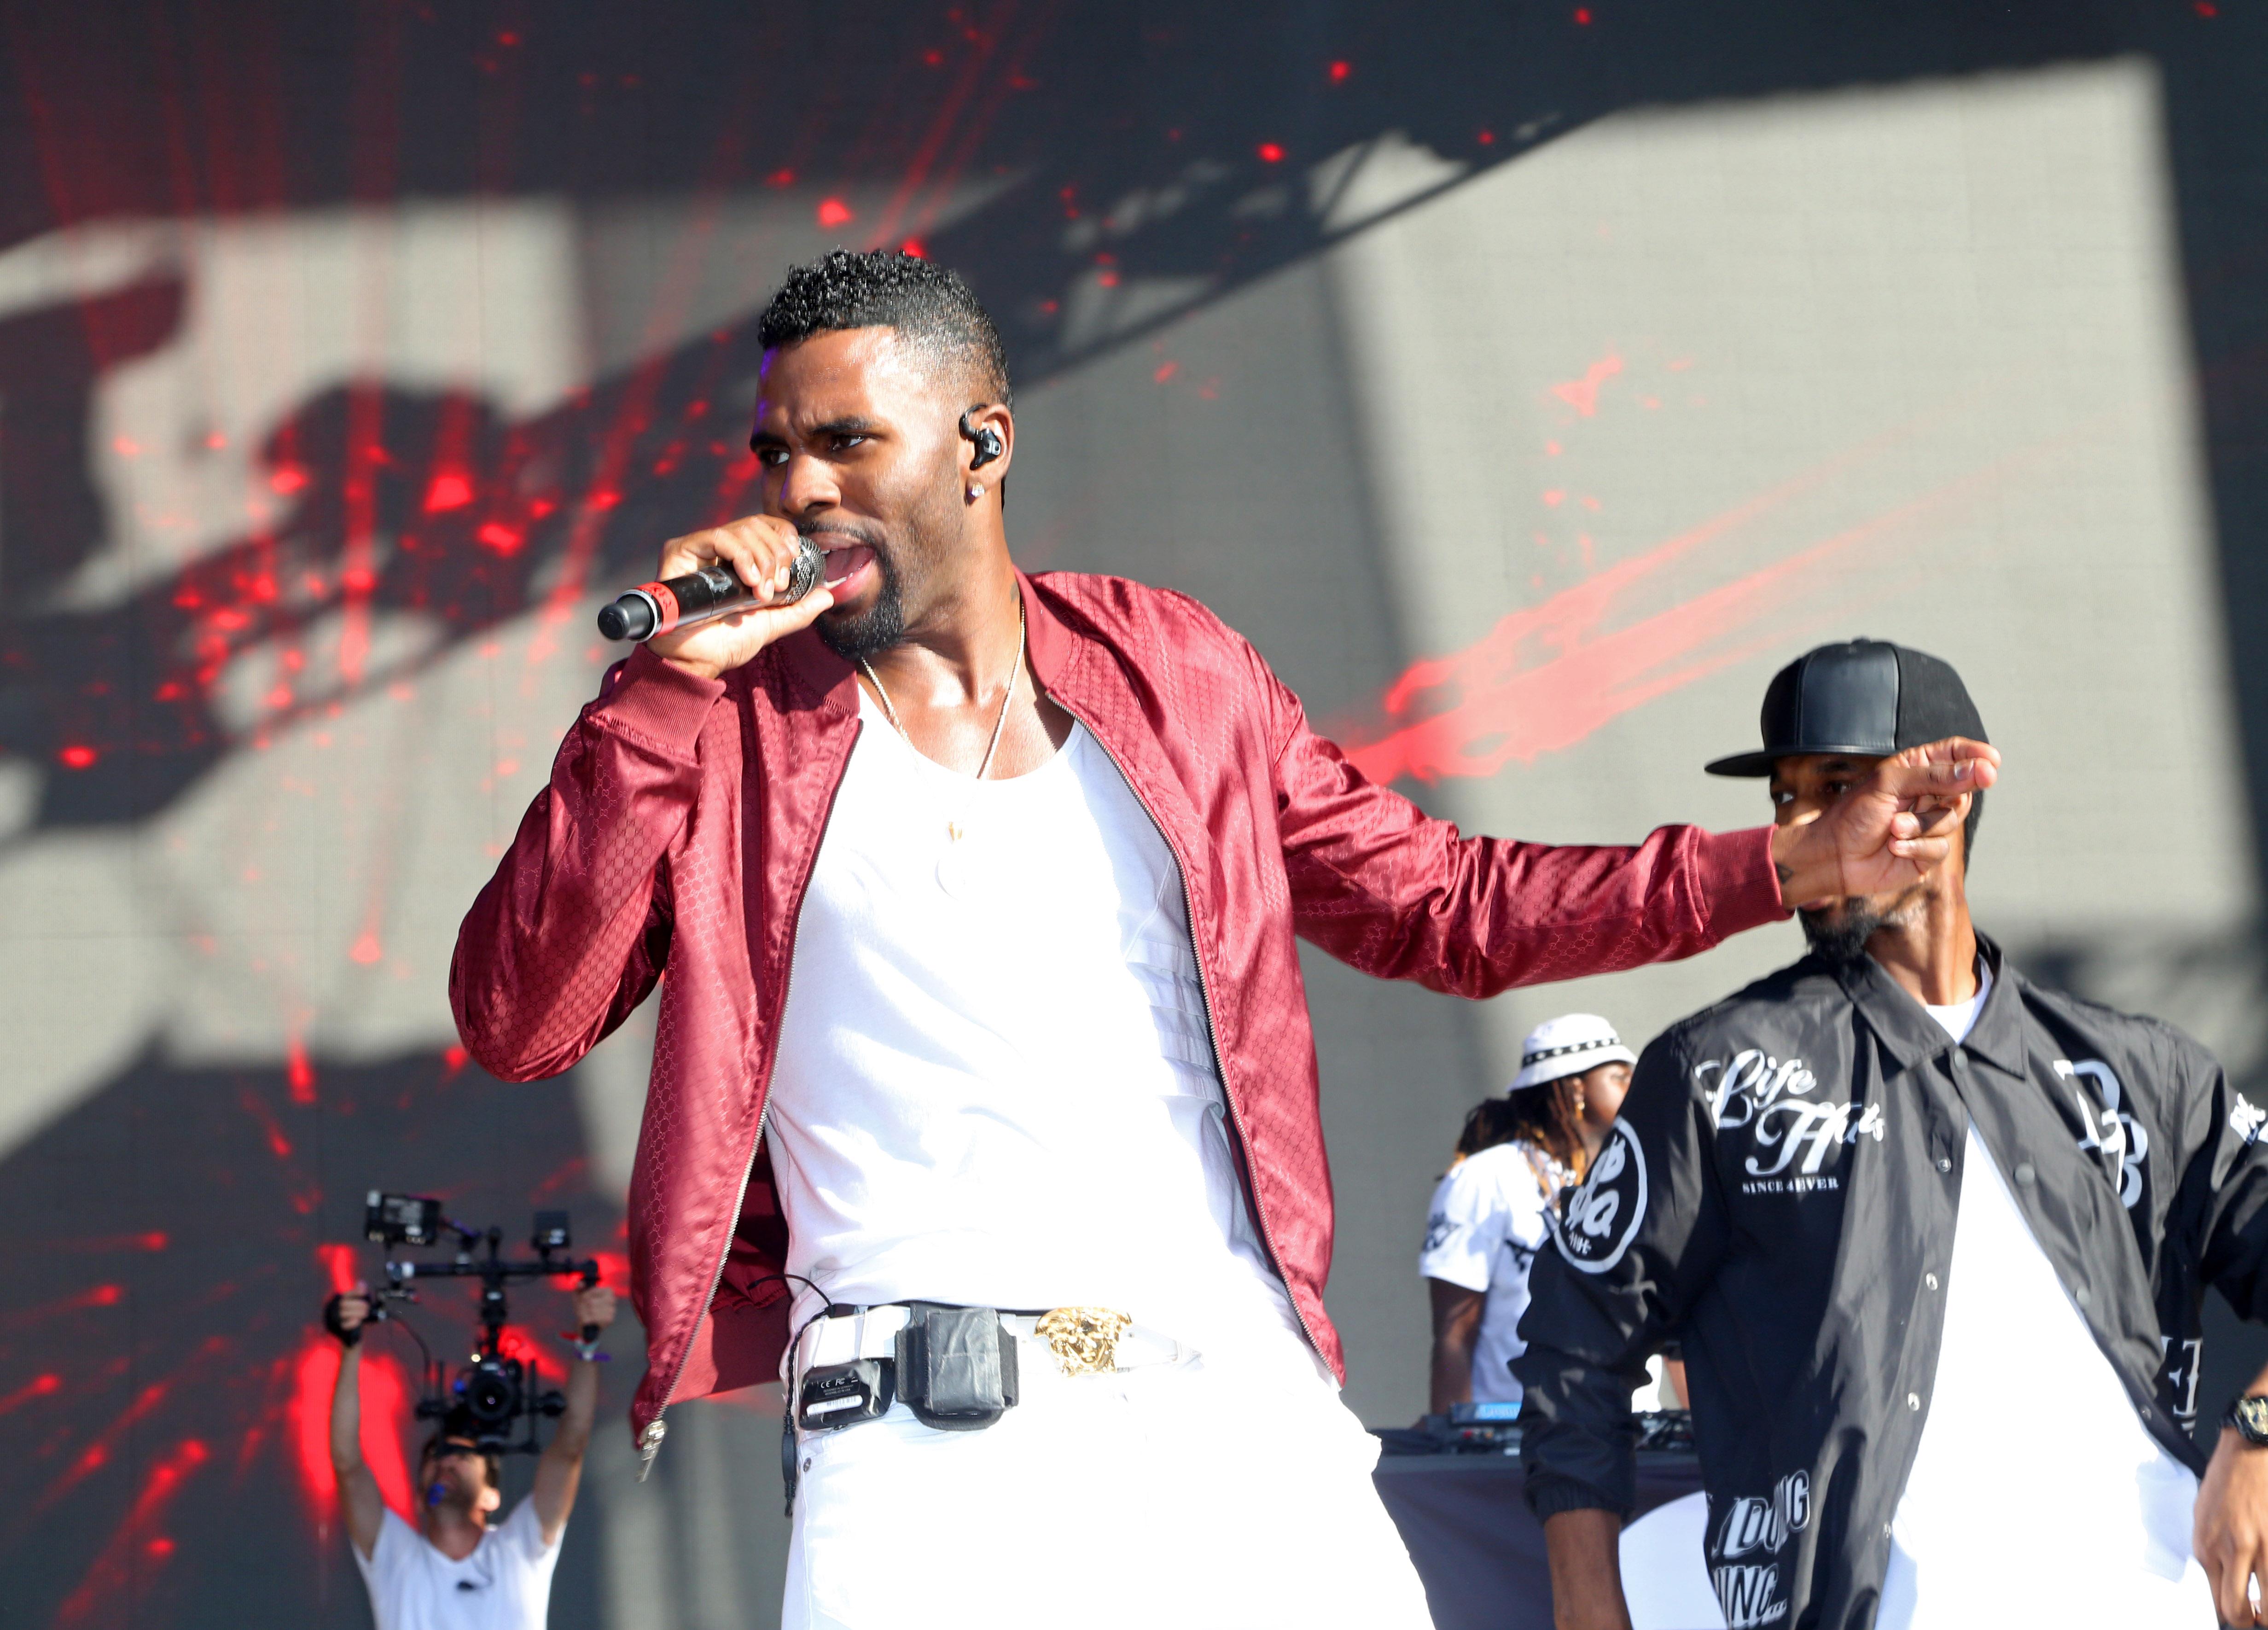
(1211, 1494)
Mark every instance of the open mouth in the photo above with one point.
(846, 561)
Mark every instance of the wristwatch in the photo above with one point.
(2250, 1416)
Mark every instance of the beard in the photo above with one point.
(855, 637)
(1838, 934)
(911, 572)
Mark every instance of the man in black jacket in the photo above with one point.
(1935, 1242)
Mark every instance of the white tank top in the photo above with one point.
(995, 1083)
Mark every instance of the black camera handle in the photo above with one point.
(495, 1271)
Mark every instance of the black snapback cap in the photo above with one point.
(1866, 697)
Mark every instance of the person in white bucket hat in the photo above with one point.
(1518, 1151)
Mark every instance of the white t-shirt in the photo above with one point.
(1485, 1226)
(2036, 1496)
(504, 1584)
(996, 1084)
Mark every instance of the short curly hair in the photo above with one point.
(929, 307)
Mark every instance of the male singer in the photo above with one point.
(984, 1029)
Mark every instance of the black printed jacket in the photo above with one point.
(1779, 1193)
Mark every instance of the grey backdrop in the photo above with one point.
(1527, 383)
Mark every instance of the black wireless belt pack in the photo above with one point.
(955, 1368)
(841, 1395)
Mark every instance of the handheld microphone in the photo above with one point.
(702, 596)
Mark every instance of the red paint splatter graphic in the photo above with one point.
(339, 1266)
(37, 1386)
(271, 1128)
(447, 491)
(115, 1568)
(299, 1072)
(92, 1296)
(98, 1454)
(1549, 676)
(1583, 395)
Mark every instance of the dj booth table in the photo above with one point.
(1476, 1545)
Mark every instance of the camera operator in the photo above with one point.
(456, 1567)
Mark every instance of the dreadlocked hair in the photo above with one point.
(1544, 1115)
(929, 307)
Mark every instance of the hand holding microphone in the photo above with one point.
(743, 597)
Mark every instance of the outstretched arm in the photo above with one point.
(559, 1472)
(358, 1496)
(1387, 888)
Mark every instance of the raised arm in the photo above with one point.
(559, 1469)
(358, 1496)
(572, 932)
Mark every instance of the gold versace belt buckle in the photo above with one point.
(1084, 1340)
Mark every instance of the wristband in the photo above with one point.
(2249, 1417)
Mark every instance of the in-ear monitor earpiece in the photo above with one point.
(989, 445)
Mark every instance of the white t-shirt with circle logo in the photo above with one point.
(1486, 1224)
(504, 1584)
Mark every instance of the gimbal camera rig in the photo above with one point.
(494, 1394)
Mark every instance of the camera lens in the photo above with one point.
(492, 1391)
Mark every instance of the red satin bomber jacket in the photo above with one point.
(683, 818)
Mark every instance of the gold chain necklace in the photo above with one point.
(952, 828)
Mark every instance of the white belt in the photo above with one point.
(873, 1332)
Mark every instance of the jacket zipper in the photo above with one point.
(656, 1429)
(1212, 1040)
